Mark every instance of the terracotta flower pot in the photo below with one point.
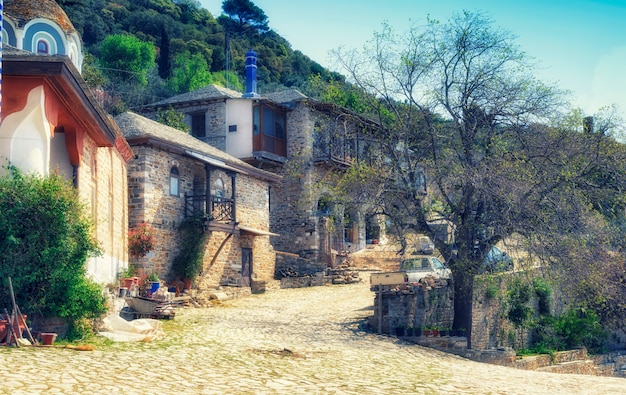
(48, 338)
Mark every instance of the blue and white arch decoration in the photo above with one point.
(8, 33)
(42, 30)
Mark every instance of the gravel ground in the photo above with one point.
(292, 341)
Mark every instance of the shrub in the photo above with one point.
(544, 295)
(575, 328)
(519, 295)
(188, 263)
(45, 242)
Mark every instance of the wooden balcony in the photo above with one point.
(220, 209)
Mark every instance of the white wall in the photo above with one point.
(239, 112)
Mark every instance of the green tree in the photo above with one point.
(173, 118)
(127, 58)
(45, 241)
(244, 15)
(191, 72)
(239, 18)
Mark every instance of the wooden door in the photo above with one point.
(246, 267)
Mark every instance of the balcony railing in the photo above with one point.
(220, 209)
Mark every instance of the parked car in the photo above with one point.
(497, 261)
(420, 266)
(425, 245)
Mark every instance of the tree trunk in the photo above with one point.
(463, 290)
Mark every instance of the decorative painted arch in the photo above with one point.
(44, 30)
(8, 33)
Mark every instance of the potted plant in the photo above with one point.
(155, 283)
(435, 330)
(427, 331)
(141, 240)
(127, 277)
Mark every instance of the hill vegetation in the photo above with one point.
(190, 46)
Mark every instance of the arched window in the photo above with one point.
(174, 181)
(218, 187)
(42, 47)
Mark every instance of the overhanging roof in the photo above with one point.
(213, 161)
(256, 232)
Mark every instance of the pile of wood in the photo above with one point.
(292, 272)
(343, 274)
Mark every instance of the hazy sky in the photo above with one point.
(579, 44)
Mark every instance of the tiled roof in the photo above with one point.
(209, 92)
(11, 50)
(216, 92)
(286, 96)
(134, 126)
(24, 11)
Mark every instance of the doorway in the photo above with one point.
(246, 267)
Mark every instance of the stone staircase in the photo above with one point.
(376, 257)
(576, 362)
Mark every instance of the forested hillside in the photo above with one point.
(189, 45)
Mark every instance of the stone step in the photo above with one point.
(380, 258)
(534, 362)
(570, 356)
(574, 367)
(605, 369)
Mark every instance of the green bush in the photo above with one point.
(188, 263)
(544, 296)
(575, 328)
(519, 296)
(45, 242)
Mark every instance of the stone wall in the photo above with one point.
(413, 307)
(297, 266)
(490, 327)
(293, 209)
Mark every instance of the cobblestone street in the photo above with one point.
(292, 341)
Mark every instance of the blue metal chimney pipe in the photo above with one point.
(251, 74)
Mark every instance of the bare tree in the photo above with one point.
(460, 101)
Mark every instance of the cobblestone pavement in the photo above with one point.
(293, 341)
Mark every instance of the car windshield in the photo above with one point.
(438, 264)
(415, 263)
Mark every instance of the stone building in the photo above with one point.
(302, 140)
(174, 177)
(51, 123)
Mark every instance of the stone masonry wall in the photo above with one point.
(293, 209)
(414, 307)
(490, 328)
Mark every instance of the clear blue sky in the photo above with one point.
(579, 44)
